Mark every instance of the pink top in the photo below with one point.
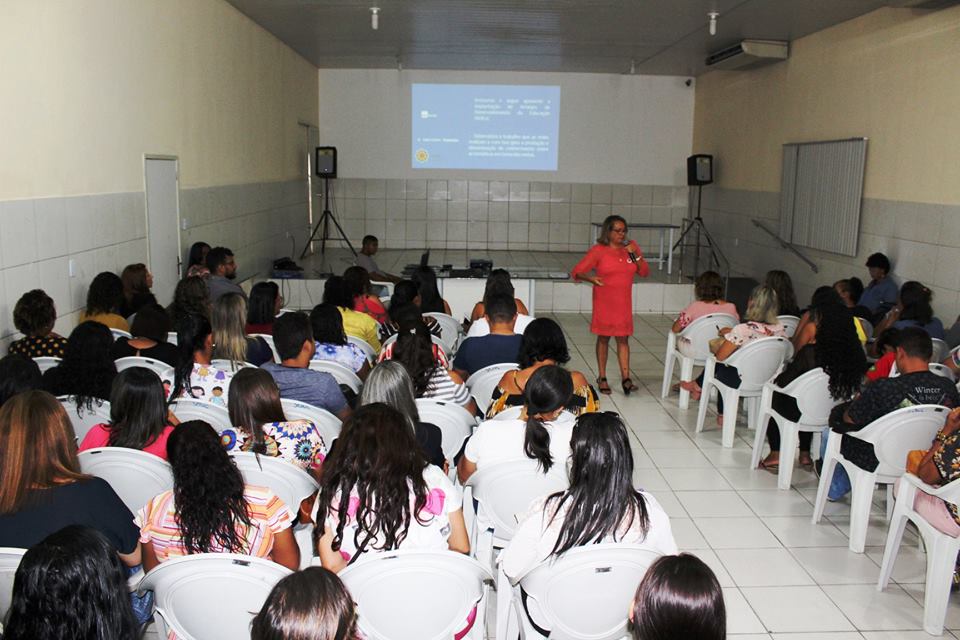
(99, 436)
(698, 309)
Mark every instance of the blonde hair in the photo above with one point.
(762, 306)
(228, 322)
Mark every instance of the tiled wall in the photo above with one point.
(459, 214)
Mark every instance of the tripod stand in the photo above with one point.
(324, 222)
(698, 226)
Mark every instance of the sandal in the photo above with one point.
(628, 386)
(805, 461)
(603, 386)
(772, 467)
(692, 387)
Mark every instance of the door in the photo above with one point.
(163, 224)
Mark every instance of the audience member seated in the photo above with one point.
(332, 344)
(833, 345)
(42, 489)
(423, 360)
(806, 331)
(408, 316)
(139, 418)
(150, 329)
(307, 605)
(190, 298)
(34, 316)
(378, 493)
(293, 338)
(543, 344)
(223, 272)
(430, 300)
(601, 504)
(541, 433)
(913, 309)
(198, 260)
(501, 345)
(355, 323)
(498, 283)
(232, 342)
(782, 285)
(915, 385)
(87, 370)
(137, 282)
(105, 301)
(390, 384)
(18, 374)
(850, 290)
(194, 375)
(679, 597)
(886, 347)
(210, 509)
(358, 283)
(71, 586)
(368, 249)
(881, 292)
(405, 296)
(261, 426)
(264, 307)
(708, 291)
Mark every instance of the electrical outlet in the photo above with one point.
(72, 268)
(183, 224)
(736, 242)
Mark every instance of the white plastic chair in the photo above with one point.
(482, 383)
(136, 476)
(172, 337)
(699, 332)
(289, 482)
(120, 333)
(210, 596)
(940, 350)
(84, 419)
(450, 331)
(195, 409)
(364, 346)
(45, 363)
(582, 595)
(387, 287)
(789, 324)
(941, 548)
(328, 424)
(456, 424)
(417, 594)
(812, 392)
(892, 436)
(943, 371)
(159, 367)
(342, 374)
(269, 340)
(757, 363)
(9, 561)
(230, 365)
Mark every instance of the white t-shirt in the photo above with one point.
(502, 440)
(534, 539)
(481, 327)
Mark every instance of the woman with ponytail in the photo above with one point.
(541, 433)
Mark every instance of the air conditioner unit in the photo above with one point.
(749, 54)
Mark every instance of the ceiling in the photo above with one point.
(665, 37)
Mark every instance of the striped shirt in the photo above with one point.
(268, 517)
(443, 388)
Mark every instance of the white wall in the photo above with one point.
(613, 128)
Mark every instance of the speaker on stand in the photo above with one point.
(699, 173)
(325, 166)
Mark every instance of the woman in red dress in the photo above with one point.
(615, 261)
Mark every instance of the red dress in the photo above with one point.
(613, 302)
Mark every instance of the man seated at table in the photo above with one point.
(368, 249)
(500, 345)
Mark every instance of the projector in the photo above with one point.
(486, 266)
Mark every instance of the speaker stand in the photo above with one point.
(698, 227)
(323, 226)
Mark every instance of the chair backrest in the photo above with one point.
(704, 329)
(288, 481)
(159, 367)
(196, 409)
(901, 431)
(585, 593)
(482, 383)
(136, 476)
(120, 333)
(789, 324)
(47, 362)
(9, 561)
(456, 424)
(415, 594)
(943, 371)
(940, 350)
(506, 489)
(812, 392)
(867, 327)
(757, 362)
(211, 596)
(328, 424)
(84, 419)
(450, 330)
(364, 346)
(269, 340)
(342, 374)
(230, 365)
(172, 337)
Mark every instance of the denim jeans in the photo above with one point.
(840, 483)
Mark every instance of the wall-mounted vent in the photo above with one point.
(749, 54)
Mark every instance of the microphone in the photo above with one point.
(633, 256)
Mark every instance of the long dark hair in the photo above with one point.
(498, 284)
(679, 597)
(312, 604)
(378, 458)
(601, 499)
(138, 409)
(105, 294)
(262, 307)
(414, 350)
(71, 586)
(326, 321)
(404, 293)
(191, 337)
(18, 373)
(336, 292)
(207, 489)
(426, 281)
(542, 340)
(837, 349)
(916, 300)
(191, 297)
(253, 402)
(782, 285)
(547, 390)
(87, 365)
(196, 254)
(357, 280)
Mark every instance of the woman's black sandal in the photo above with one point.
(603, 386)
(628, 386)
